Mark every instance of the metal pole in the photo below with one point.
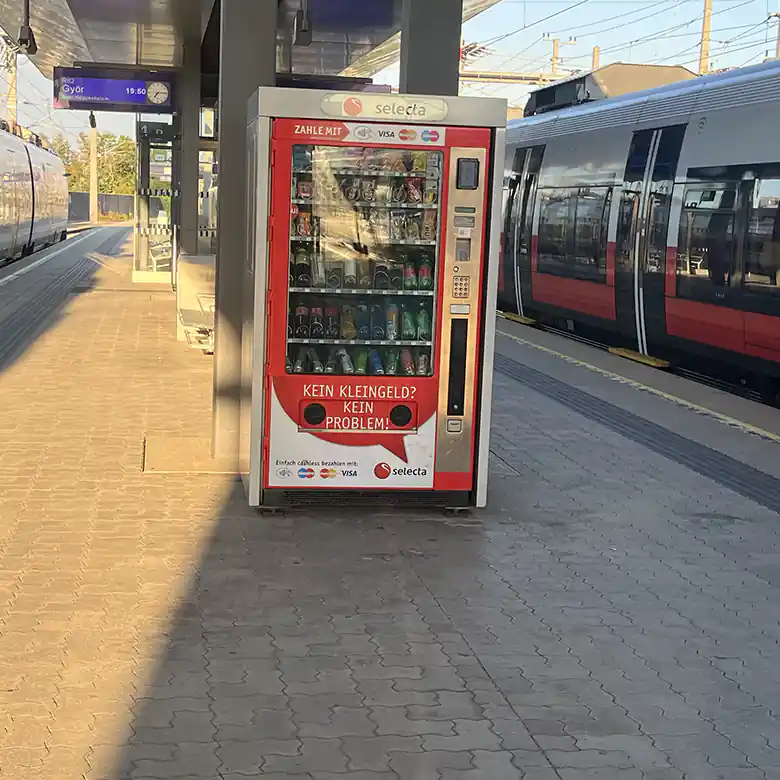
(94, 213)
(777, 44)
(554, 68)
(11, 102)
(704, 52)
(595, 59)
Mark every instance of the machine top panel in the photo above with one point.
(377, 107)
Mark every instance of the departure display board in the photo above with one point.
(107, 89)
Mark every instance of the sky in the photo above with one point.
(519, 35)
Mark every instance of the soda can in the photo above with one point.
(407, 362)
(345, 360)
(332, 324)
(314, 361)
(375, 362)
(381, 275)
(378, 322)
(361, 361)
(391, 330)
(363, 321)
(409, 332)
(423, 324)
(316, 323)
(423, 364)
(301, 321)
(410, 275)
(391, 362)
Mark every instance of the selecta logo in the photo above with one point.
(383, 471)
(353, 107)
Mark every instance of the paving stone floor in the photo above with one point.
(611, 615)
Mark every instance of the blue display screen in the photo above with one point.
(73, 88)
(102, 90)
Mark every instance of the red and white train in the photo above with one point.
(652, 221)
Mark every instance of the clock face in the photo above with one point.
(157, 92)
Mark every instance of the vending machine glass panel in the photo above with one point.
(364, 260)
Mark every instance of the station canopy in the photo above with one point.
(350, 37)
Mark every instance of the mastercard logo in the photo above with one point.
(407, 135)
(353, 107)
(382, 471)
(328, 473)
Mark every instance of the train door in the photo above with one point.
(643, 226)
(509, 295)
(520, 211)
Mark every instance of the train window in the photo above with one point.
(554, 229)
(572, 232)
(761, 253)
(706, 253)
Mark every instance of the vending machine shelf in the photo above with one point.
(361, 342)
(391, 242)
(368, 204)
(369, 172)
(358, 291)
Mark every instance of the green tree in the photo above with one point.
(116, 163)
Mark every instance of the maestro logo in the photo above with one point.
(353, 107)
(306, 473)
(382, 470)
(430, 136)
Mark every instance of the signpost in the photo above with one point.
(109, 89)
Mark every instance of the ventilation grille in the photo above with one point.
(374, 498)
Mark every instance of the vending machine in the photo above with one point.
(370, 290)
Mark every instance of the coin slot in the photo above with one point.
(400, 415)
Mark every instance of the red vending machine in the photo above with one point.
(370, 291)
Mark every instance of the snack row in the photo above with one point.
(363, 321)
(401, 272)
(366, 190)
(326, 158)
(398, 225)
(361, 360)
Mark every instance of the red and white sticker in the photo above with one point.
(370, 133)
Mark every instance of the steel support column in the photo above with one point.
(247, 61)
(189, 91)
(430, 46)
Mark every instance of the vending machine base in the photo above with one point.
(280, 498)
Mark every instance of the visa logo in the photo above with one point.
(386, 133)
(349, 472)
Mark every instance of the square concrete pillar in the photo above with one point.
(430, 46)
(247, 61)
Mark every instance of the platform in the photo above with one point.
(613, 614)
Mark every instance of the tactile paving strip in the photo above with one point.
(745, 480)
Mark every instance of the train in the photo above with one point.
(651, 221)
(33, 194)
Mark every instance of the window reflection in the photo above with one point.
(573, 232)
(762, 243)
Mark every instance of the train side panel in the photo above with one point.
(50, 196)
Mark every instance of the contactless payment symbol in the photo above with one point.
(353, 107)
(430, 136)
(306, 473)
(382, 471)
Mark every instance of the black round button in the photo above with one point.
(400, 415)
(314, 414)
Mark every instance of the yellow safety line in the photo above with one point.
(732, 422)
(638, 357)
